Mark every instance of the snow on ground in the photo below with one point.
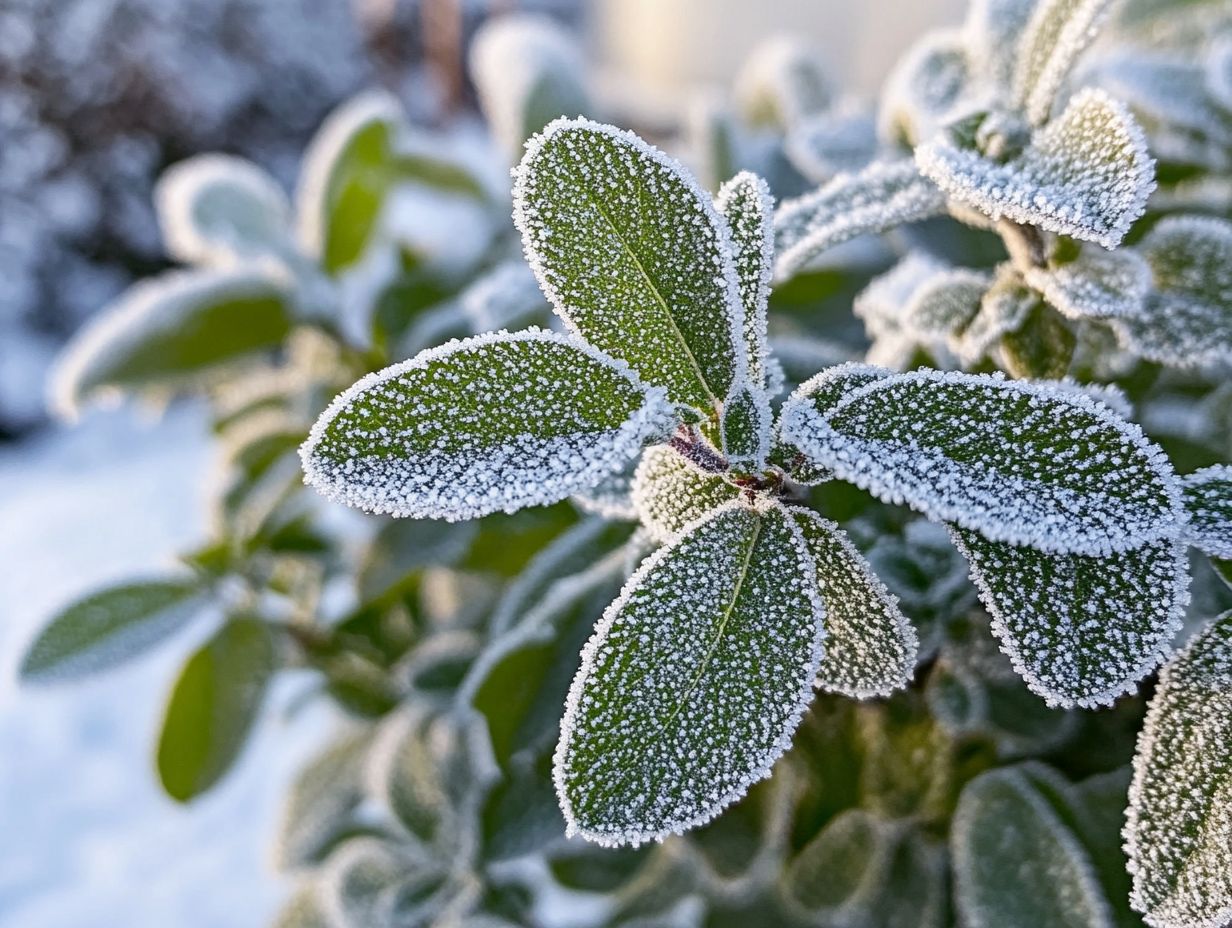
(86, 837)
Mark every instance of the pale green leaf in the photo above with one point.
(1004, 308)
(487, 424)
(1081, 630)
(404, 547)
(694, 681)
(1018, 462)
(217, 209)
(1086, 174)
(1016, 864)
(993, 30)
(870, 646)
(172, 330)
(1178, 832)
(828, 144)
(631, 253)
(745, 428)
(881, 196)
(1208, 499)
(403, 773)
(1053, 38)
(782, 82)
(318, 810)
(109, 627)
(745, 202)
(527, 71)
(213, 706)
(1098, 284)
(926, 86)
(670, 492)
(303, 910)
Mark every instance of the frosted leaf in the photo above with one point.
(1019, 462)
(713, 141)
(670, 492)
(745, 202)
(169, 330)
(695, 679)
(488, 424)
(992, 30)
(506, 296)
(746, 428)
(832, 143)
(1080, 630)
(1086, 174)
(1055, 35)
(1109, 394)
(1098, 284)
(821, 393)
(632, 255)
(216, 209)
(1188, 319)
(1178, 829)
(611, 497)
(1219, 73)
(925, 89)
(403, 774)
(527, 71)
(1208, 498)
(782, 82)
(1016, 862)
(360, 882)
(1003, 310)
(870, 646)
(108, 628)
(319, 807)
(883, 195)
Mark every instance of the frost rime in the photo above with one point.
(1208, 497)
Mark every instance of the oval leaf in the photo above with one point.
(745, 202)
(694, 681)
(1016, 864)
(1178, 833)
(108, 628)
(1018, 462)
(486, 424)
(1055, 35)
(870, 646)
(671, 492)
(1208, 498)
(213, 706)
(1081, 630)
(632, 255)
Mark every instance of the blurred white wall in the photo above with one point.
(662, 49)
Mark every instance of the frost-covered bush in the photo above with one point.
(891, 518)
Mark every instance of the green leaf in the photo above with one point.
(404, 774)
(1041, 348)
(870, 645)
(782, 83)
(216, 209)
(1055, 35)
(350, 167)
(1086, 174)
(1004, 308)
(318, 810)
(171, 330)
(694, 681)
(1081, 630)
(631, 253)
(745, 202)
(527, 71)
(1178, 832)
(1018, 462)
(487, 424)
(1015, 861)
(671, 492)
(110, 627)
(1187, 321)
(213, 706)
(1208, 498)
(745, 428)
(883, 195)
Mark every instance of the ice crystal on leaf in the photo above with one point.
(218, 209)
(1017, 462)
(1208, 499)
(670, 492)
(1178, 830)
(633, 256)
(1081, 630)
(870, 646)
(1187, 319)
(1055, 35)
(746, 204)
(694, 681)
(746, 428)
(1086, 173)
(1017, 864)
(883, 195)
(1098, 284)
(488, 424)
